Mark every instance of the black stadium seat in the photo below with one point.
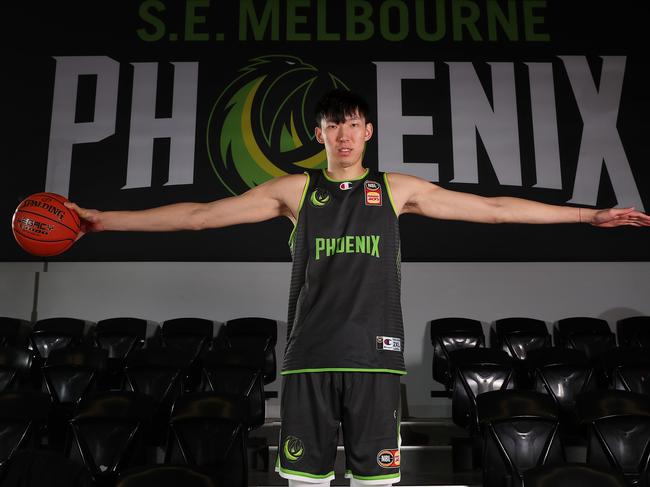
(517, 336)
(23, 420)
(207, 431)
(563, 374)
(448, 335)
(619, 424)
(628, 369)
(633, 331)
(591, 335)
(14, 332)
(572, 475)
(17, 369)
(255, 333)
(168, 476)
(476, 371)
(55, 333)
(106, 433)
(520, 431)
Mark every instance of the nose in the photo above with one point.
(342, 134)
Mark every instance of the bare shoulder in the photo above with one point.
(287, 191)
(406, 189)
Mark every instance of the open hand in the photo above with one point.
(615, 217)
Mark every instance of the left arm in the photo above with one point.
(415, 195)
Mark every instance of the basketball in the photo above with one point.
(43, 226)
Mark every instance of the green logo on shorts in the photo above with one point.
(293, 449)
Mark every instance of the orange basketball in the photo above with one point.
(43, 226)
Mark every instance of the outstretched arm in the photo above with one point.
(414, 195)
(278, 197)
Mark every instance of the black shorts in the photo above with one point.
(364, 404)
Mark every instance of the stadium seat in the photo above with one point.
(238, 373)
(633, 332)
(619, 426)
(517, 336)
(476, 371)
(520, 431)
(106, 433)
(447, 335)
(168, 476)
(193, 336)
(55, 333)
(17, 369)
(591, 335)
(69, 374)
(563, 374)
(14, 332)
(207, 431)
(160, 374)
(258, 333)
(23, 420)
(628, 369)
(572, 475)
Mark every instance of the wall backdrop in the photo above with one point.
(133, 104)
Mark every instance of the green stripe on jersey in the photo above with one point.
(342, 369)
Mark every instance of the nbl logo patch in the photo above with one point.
(388, 459)
(372, 193)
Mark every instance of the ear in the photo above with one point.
(369, 132)
(319, 135)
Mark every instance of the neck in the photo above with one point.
(343, 173)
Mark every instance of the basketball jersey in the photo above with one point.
(344, 303)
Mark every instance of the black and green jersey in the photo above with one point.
(344, 304)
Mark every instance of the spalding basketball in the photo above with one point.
(43, 226)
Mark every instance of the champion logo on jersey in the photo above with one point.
(372, 191)
(389, 343)
(345, 186)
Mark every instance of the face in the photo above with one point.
(344, 142)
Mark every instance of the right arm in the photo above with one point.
(277, 197)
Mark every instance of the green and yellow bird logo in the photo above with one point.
(293, 449)
(319, 197)
(261, 125)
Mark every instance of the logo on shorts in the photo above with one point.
(388, 458)
(293, 449)
(372, 191)
(389, 343)
(319, 198)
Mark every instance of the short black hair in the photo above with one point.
(338, 104)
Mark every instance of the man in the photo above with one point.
(344, 353)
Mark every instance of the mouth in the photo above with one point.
(344, 151)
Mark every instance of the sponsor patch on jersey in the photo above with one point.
(389, 343)
(319, 198)
(372, 192)
(388, 458)
(345, 186)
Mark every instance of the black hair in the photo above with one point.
(338, 104)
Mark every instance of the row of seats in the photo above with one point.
(518, 336)
(519, 430)
(107, 435)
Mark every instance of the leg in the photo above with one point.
(299, 483)
(370, 418)
(310, 421)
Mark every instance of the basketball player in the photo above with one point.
(344, 355)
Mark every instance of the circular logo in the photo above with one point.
(319, 197)
(261, 125)
(293, 449)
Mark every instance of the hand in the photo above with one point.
(90, 219)
(615, 217)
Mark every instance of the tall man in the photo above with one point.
(344, 352)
